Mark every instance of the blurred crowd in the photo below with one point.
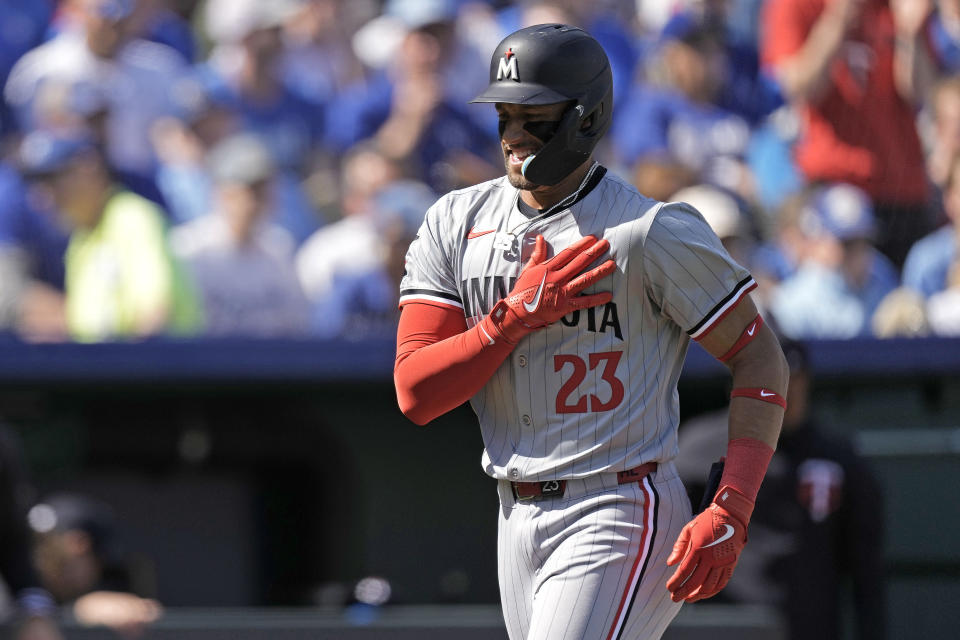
(241, 167)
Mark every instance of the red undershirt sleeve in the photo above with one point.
(440, 363)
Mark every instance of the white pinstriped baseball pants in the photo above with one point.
(591, 565)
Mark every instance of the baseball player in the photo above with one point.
(560, 302)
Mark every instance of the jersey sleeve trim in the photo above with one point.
(724, 307)
(428, 295)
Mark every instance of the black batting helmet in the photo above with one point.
(547, 64)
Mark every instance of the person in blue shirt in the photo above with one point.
(130, 81)
(411, 113)
(32, 246)
(701, 100)
(841, 278)
(170, 25)
(28, 19)
(930, 259)
(244, 76)
(746, 90)
(671, 133)
(361, 302)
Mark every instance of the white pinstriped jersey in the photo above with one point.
(596, 391)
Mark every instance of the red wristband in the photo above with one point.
(759, 393)
(745, 465)
(751, 332)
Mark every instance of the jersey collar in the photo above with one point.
(590, 181)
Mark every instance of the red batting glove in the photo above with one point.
(547, 290)
(708, 547)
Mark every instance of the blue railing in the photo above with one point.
(279, 360)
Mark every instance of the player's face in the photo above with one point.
(516, 139)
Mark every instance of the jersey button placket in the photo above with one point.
(522, 374)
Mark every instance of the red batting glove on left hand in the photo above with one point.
(708, 547)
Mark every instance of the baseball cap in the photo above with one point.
(242, 158)
(75, 512)
(686, 27)
(44, 152)
(844, 211)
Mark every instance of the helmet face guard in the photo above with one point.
(550, 64)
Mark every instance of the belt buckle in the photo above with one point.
(520, 498)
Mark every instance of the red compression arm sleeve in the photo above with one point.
(440, 363)
(746, 464)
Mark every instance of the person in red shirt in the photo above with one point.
(856, 71)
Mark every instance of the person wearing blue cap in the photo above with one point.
(121, 281)
(673, 133)
(841, 278)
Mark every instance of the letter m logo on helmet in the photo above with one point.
(507, 70)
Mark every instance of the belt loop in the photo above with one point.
(505, 491)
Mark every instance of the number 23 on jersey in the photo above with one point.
(607, 362)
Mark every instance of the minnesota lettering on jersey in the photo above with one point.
(608, 318)
(484, 292)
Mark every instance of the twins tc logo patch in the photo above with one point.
(820, 487)
(507, 70)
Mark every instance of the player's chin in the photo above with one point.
(516, 179)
